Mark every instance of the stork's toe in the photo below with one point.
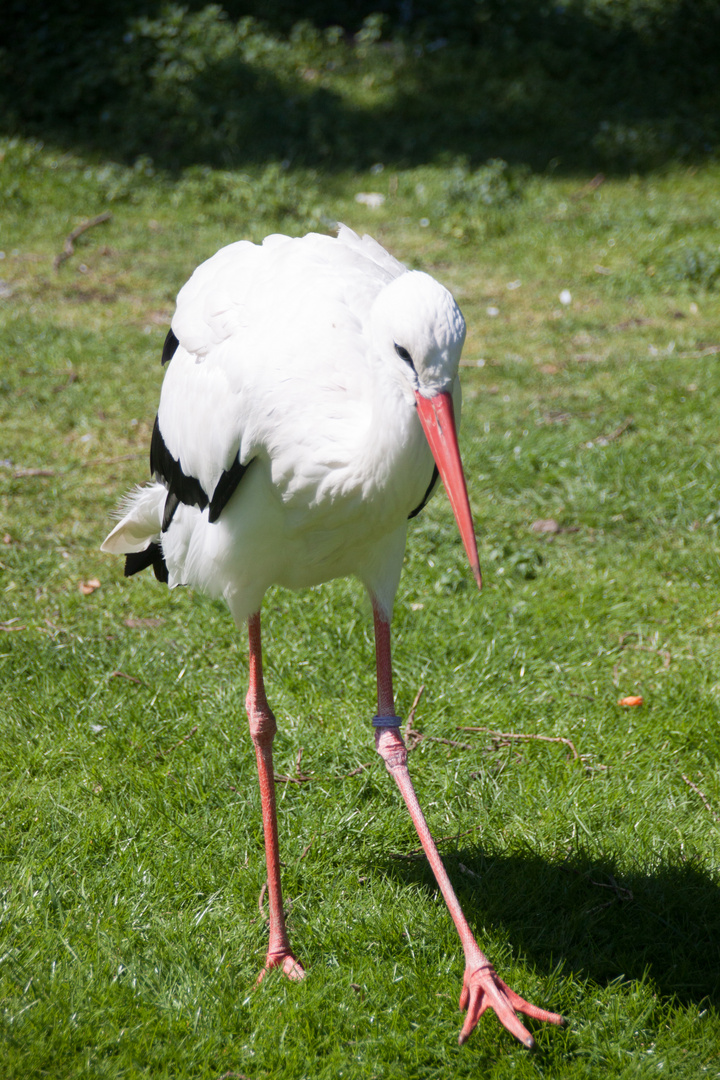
(484, 989)
(284, 959)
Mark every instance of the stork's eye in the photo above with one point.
(404, 355)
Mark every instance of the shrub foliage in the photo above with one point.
(622, 85)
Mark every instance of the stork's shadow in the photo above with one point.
(601, 922)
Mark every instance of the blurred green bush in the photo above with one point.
(615, 84)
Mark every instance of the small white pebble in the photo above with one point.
(373, 199)
(693, 308)
(493, 311)
(514, 284)
(424, 222)
(565, 297)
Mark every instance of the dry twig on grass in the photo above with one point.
(305, 850)
(506, 738)
(261, 903)
(623, 895)
(697, 791)
(625, 638)
(123, 675)
(303, 778)
(108, 460)
(164, 753)
(25, 474)
(21, 474)
(707, 350)
(449, 742)
(603, 440)
(360, 768)
(69, 245)
(412, 738)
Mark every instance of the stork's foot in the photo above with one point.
(284, 959)
(484, 989)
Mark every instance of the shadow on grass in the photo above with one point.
(604, 924)
(533, 83)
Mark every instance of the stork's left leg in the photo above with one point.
(262, 731)
(482, 987)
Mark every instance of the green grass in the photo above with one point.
(131, 835)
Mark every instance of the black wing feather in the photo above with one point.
(428, 493)
(181, 487)
(169, 348)
(171, 504)
(225, 487)
(153, 556)
(187, 489)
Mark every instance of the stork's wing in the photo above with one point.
(370, 249)
(268, 352)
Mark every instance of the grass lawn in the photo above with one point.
(585, 851)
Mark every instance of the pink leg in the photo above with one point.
(482, 988)
(262, 731)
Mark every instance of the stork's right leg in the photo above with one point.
(482, 987)
(262, 731)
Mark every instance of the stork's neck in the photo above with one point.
(396, 455)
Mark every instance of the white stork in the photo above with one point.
(311, 383)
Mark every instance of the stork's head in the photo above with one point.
(418, 332)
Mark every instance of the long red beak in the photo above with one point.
(437, 417)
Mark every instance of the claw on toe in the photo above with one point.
(484, 989)
(291, 967)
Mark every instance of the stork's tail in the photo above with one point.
(137, 535)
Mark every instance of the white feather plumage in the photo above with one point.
(287, 360)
